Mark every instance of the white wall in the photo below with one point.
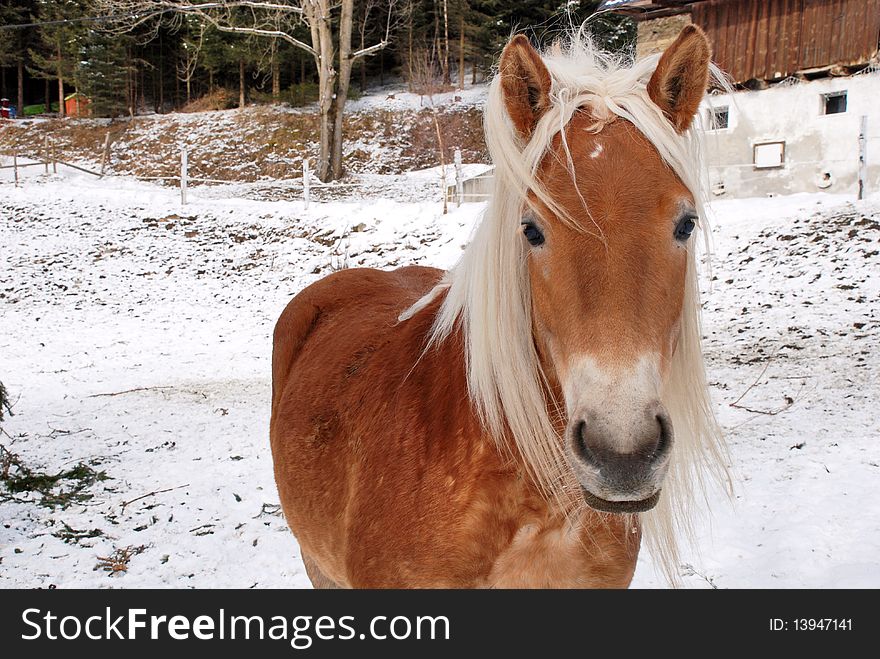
(816, 143)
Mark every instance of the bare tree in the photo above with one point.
(367, 7)
(329, 24)
(189, 60)
(426, 83)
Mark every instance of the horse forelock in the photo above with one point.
(488, 294)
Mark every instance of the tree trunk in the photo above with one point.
(334, 122)
(60, 85)
(20, 88)
(161, 76)
(437, 46)
(176, 91)
(47, 104)
(276, 76)
(409, 58)
(446, 77)
(324, 170)
(320, 24)
(131, 91)
(336, 156)
(61, 109)
(134, 91)
(3, 91)
(241, 82)
(461, 52)
(342, 83)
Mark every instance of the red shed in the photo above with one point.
(77, 105)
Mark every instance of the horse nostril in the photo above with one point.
(664, 440)
(580, 442)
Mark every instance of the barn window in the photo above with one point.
(835, 102)
(719, 118)
(769, 155)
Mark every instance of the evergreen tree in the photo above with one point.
(496, 20)
(104, 73)
(15, 42)
(58, 53)
(214, 56)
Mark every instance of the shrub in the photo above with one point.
(219, 99)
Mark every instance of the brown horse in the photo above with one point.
(502, 424)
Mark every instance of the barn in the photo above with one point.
(805, 117)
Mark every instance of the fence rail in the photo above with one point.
(306, 184)
(54, 162)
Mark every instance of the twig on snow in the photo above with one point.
(150, 494)
(128, 391)
(757, 379)
(789, 401)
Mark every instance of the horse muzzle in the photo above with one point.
(621, 469)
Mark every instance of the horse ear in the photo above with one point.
(681, 77)
(525, 84)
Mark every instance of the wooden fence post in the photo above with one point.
(459, 181)
(46, 153)
(306, 190)
(183, 168)
(54, 158)
(15, 166)
(863, 157)
(105, 155)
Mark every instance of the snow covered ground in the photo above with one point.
(135, 339)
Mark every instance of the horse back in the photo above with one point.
(371, 298)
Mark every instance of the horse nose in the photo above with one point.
(624, 458)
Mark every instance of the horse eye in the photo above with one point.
(685, 227)
(533, 234)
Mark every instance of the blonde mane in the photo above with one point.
(488, 294)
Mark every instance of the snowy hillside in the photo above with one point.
(389, 132)
(135, 343)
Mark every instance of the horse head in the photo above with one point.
(606, 232)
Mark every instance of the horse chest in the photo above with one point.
(601, 554)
